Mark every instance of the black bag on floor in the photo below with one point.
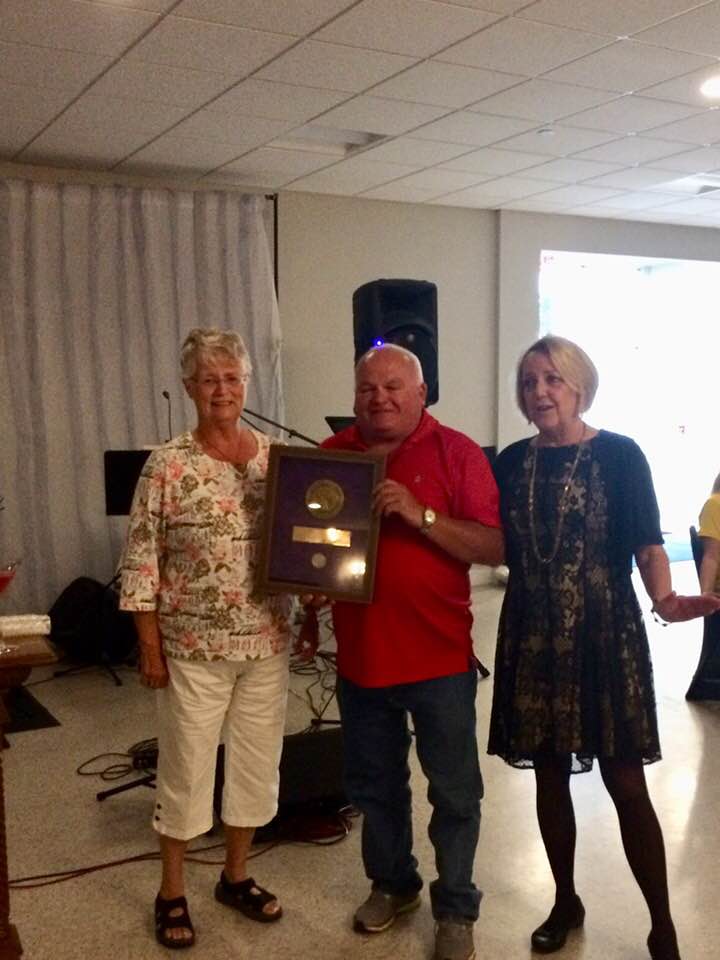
(87, 624)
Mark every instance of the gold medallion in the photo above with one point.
(324, 499)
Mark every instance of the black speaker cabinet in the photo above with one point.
(402, 312)
(311, 770)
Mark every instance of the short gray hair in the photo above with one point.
(212, 342)
(571, 362)
(395, 348)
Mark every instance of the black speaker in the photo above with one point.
(402, 312)
(311, 770)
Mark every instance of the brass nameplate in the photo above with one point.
(328, 536)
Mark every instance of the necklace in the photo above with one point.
(562, 504)
(225, 457)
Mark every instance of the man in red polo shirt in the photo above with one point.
(410, 652)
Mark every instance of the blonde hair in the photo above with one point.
(571, 362)
(212, 342)
(395, 348)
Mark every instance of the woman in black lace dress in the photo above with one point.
(573, 678)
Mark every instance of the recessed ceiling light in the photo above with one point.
(711, 87)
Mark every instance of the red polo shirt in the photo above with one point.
(418, 625)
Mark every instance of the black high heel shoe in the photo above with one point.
(551, 935)
(663, 948)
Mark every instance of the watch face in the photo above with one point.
(429, 517)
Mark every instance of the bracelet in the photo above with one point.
(660, 619)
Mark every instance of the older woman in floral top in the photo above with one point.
(214, 649)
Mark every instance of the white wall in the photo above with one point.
(329, 246)
(522, 237)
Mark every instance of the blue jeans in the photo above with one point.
(377, 782)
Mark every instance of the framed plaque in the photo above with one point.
(320, 533)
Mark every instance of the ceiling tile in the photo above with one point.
(349, 178)
(25, 114)
(472, 128)
(570, 170)
(497, 6)
(697, 31)
(703, 129)
(542, 100)
(634, 178)
(274, 160)
(519, 46)
(643, 200)
(692, 161)
(414, 153)
(685, 89)
(180, 153)
(630, 150)
(534, 205)
(93, 147)
(334, 67)
(265, 181)
(616, 17)
(627, 66)
(494, 162)
(65, 71)
(209, 46)
(558, 141)
(157, 6)
(695, 206)
(628, 114)
(277, 16)
(219, 126)
(277, 101)
(160, 83)
(374, 115)
(400, 193)
(578, 193)
(417, 28)
(68, 25)
(442, 181)
(509, 188)
(445, 84)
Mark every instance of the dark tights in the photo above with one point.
(641, 836)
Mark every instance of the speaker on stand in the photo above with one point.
(403, 312)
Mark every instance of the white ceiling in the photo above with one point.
(588, 107)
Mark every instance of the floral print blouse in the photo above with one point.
(191, 553)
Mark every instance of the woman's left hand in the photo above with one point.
(674, 609)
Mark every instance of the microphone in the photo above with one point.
(169, 405)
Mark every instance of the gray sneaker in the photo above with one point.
(380, 909)
(454, 940)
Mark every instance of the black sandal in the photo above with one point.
(164, 922)
(247, 897)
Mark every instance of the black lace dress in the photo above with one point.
(573, 675)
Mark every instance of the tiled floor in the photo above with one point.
(55, 822)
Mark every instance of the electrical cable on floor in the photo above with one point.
(344, 817)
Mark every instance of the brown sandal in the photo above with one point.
(164, 922)
(247, 897)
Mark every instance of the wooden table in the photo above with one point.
(18, 655)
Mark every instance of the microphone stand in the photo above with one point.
(281, 426)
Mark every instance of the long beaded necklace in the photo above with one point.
(562, 504)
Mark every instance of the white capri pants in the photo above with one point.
(247, 696)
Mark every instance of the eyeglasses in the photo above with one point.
(230, 381)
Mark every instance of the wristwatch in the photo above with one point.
(428, 519)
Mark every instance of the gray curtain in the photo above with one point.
(98, 287)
